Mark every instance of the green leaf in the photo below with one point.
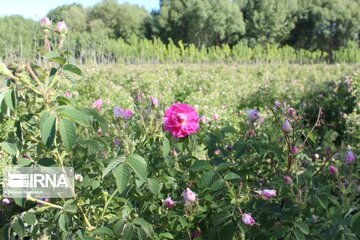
(166, 147)
(46, 162)
(10, 148)
(72, 68)
(30, 218)
(48, 130)
(59, 60)
(122, 176)
(19, 228)
(303, 227)
(299, 235)
(68, 133)
(20, 202)
(52, 54)
(206, 179)
(103, 231)
(63, 222)
(166, 235)
(138, 165)
(114, 163)
(231, 176)
(75, 116)
(200, 165)
(10, 100)
(128, 232)
(119, 227)
(355, 223)
(141, 234)
(154, 185)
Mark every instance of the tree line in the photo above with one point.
(327, 30)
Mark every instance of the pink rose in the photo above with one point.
(68, 94)
(294, 150)
(333, 170)
(45, 22)
(268, 193)
(247, 219)
(61, 27)
(168, 202)
(181, 120)
(215, 117)
(154, 101)
(188, 195)
(292, 112)
(203, 119)
(97, 104)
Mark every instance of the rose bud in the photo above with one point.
(251, 133)
(188, 195)
(286, 127)
(97, 104)
(61, 27)
(203, 119)
(294, 150)
(154, 102)
(215, 117)
(217, 152)
(268, 193)
(174, 153)
(168, 202)
(252, 114)
(68, 94)
(45, 22)
(78, 177)
(116, 142)
(287, 180)
(292, 112)
(277, 104)
(6, 201)
(247, 219)
(332, 170)
(122, 113)
(349, 157)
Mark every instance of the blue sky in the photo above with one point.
(36, 9)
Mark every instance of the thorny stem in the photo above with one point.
(316, 123)
(322, 166)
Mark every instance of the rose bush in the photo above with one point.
(155, 170)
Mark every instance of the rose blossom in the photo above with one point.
(181, 120)
(188, 195)
(215, 117)
(78, 177)
(294, 150)
(97, 104)
(247, 219)
(123, 113)
(268, 193)
(217, 152)
(168, 202)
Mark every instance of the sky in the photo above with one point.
(36, 9)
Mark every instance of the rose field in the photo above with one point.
(186, 143)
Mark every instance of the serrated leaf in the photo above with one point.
(114, 163)
(119, 228)
(103, 231)
(206, 179)
(166, 235)
(19, 228)
(48, 130)
(10, 100)
(30, 218)
(200, 165)
(231, 176)
(355, 223)
(75, 116)
(154, 185)
(166, 147)
(68, 133)
(52, 54)
(128, 232)
(20, 202)
(10, 148)
(303, 227)
(122, 176)
(72, 68)
(298, 234)
(138, 165)
(63, 222)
